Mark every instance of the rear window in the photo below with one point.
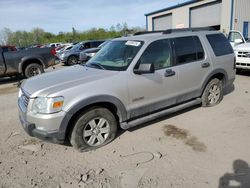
(188, 49)
(220, 44)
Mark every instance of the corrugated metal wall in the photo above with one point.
(241, 14)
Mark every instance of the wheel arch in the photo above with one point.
(218, 73)
(111, 103)
(26, 62)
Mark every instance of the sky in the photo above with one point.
(61, 15)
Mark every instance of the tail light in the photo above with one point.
(53, 51)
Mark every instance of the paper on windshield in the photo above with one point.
(133, 43)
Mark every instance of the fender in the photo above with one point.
(26, 58)
(121, 110)
(216, 71)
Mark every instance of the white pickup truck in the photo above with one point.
(241, 49)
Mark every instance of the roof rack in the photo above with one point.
(192, 29)
(169, 31)
(148, 32)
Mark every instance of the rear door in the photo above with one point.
(193, 66)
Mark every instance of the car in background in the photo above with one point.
(54, 45)
(29, 62)
(71, 57)
(63, 50)
(8, 48)
(241, 49)
(87, 54)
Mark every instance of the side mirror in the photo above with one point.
(145, 69)
(238, 41)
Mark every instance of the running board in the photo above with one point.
(133, 123)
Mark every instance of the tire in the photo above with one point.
(92, 129)
(72, 60)
(33, 69)
(213, 93)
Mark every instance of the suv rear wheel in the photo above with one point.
(93, 129)
(213, 93)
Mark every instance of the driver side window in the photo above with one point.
(157, 53)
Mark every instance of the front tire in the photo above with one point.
(33, 69)
(213, 93)
(72, 60)
(92, 129)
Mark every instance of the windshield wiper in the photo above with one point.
(98, 65)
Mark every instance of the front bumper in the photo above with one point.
(242, 60)
(40, 126)
(245, 66)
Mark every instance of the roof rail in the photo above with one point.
(148, 32)
(192, 29)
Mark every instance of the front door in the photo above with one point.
(235, 38)
(153, 91)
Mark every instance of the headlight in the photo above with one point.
(47, 105)
(90, 54)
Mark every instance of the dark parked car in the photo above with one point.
(8, 48)
(71, 57)
(87, 54)
(25, 62)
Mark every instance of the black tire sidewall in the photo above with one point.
(26, 71)
(69, 62)
(205, 94)
(76, 135)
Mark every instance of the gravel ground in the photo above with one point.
(198, 147)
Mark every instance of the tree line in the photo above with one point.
(38, 36)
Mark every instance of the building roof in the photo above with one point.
(172, 7)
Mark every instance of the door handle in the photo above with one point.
(169, 72)
(204, 65)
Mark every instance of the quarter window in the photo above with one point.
(188, 49)
(220, 44)
(157, 53)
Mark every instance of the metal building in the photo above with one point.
(224, 15)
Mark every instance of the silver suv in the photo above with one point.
(129, 81)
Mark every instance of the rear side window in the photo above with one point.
(220, 44)
(187, 49)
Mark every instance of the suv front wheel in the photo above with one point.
(213, 93)
(93, 129)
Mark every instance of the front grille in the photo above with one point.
(243, 54)
(25, 100)
(243, 64)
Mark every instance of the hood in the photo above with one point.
(243, 47)
(52, 82)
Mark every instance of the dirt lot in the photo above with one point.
(198, 147)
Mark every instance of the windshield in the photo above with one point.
(116, 55)
(103, 44)
(77, 46)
